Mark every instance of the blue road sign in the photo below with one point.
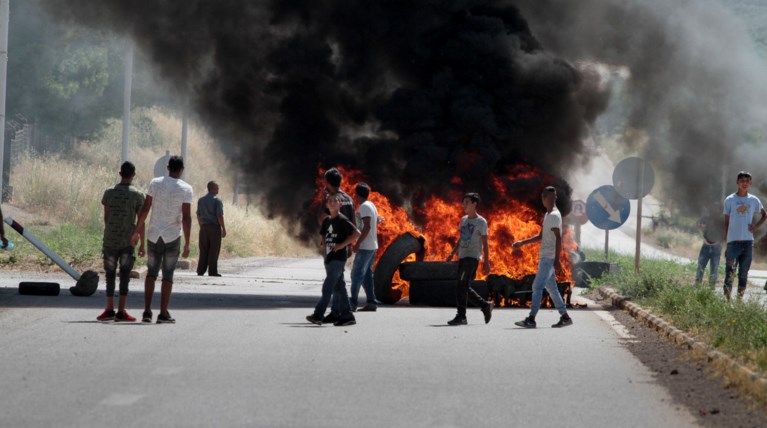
(606, 208)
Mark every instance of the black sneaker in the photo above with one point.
(147, 316)
(369, 308)
(526, 323)
(165, 319)
(331, 318)
(314, 319)
(564, 321)
(458, 320)
(345, 321)
(488, 311)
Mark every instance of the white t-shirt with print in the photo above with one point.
(368, 209)
(552, 220)
(168, 194)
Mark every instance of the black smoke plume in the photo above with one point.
(418, 95)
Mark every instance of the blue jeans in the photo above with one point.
(709, 253)
(362, 274)
(545, 278)
(738, 253)
(334, 285)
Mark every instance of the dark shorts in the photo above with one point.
(162, 254)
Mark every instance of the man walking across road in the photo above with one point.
(548, 263)
(365, 249)
(739, 211)
(210, 217)
(338, 234)
(121, 206)
(471, 245)
(170, 200)
(333, 178)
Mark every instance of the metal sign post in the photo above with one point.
(634, 178)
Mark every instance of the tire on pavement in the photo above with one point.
(39, 288)
(411, 271)
(405, 245)
(86, 285)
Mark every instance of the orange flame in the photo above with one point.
(508, 220)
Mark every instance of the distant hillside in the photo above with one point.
(754, 15)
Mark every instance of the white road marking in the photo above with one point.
(619, 328)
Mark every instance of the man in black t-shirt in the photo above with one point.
(333, 178)
(338, 233)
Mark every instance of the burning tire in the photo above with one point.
(413, 271)
(441, 292)
(405, 245)
(39, 288)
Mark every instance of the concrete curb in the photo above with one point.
(726, 365)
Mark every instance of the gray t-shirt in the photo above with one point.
(552, 220)
(210, 208)
(741, 210)
(472, 231)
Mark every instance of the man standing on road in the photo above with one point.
(333, 178)
(712, 228)
(739, 211)
(365, 249)
(170, 200)
(210, 217)
(121, 206)
(548, 263)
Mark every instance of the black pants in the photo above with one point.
(467, 270)
(210, 247)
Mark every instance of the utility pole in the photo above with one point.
(5, 6)
(184, 134)
(126, 100)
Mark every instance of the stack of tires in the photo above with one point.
(433, 283)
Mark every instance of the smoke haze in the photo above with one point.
(419, 94)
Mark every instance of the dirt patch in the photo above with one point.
(691, 383)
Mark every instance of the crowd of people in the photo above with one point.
(348, 227)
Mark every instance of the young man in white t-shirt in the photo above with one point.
(551, 247)
(170, 199)
(739, 211)
(365, 249)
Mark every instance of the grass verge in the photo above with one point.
(738, 329)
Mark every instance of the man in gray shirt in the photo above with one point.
(210, 216)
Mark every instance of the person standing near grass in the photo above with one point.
(471, 245)
(121, 206)
(739, 211)
(2, 229)
(210, 217)
(712, 228)
(170, 199)
(549, 261)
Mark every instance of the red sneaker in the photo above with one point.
(124, 316)
(106, 316)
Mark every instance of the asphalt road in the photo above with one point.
(241, 354)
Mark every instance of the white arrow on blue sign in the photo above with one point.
(606, 208)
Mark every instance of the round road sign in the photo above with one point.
(606, 208)
(628, 175)
(578, 213)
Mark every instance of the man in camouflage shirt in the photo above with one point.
(121, 206)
